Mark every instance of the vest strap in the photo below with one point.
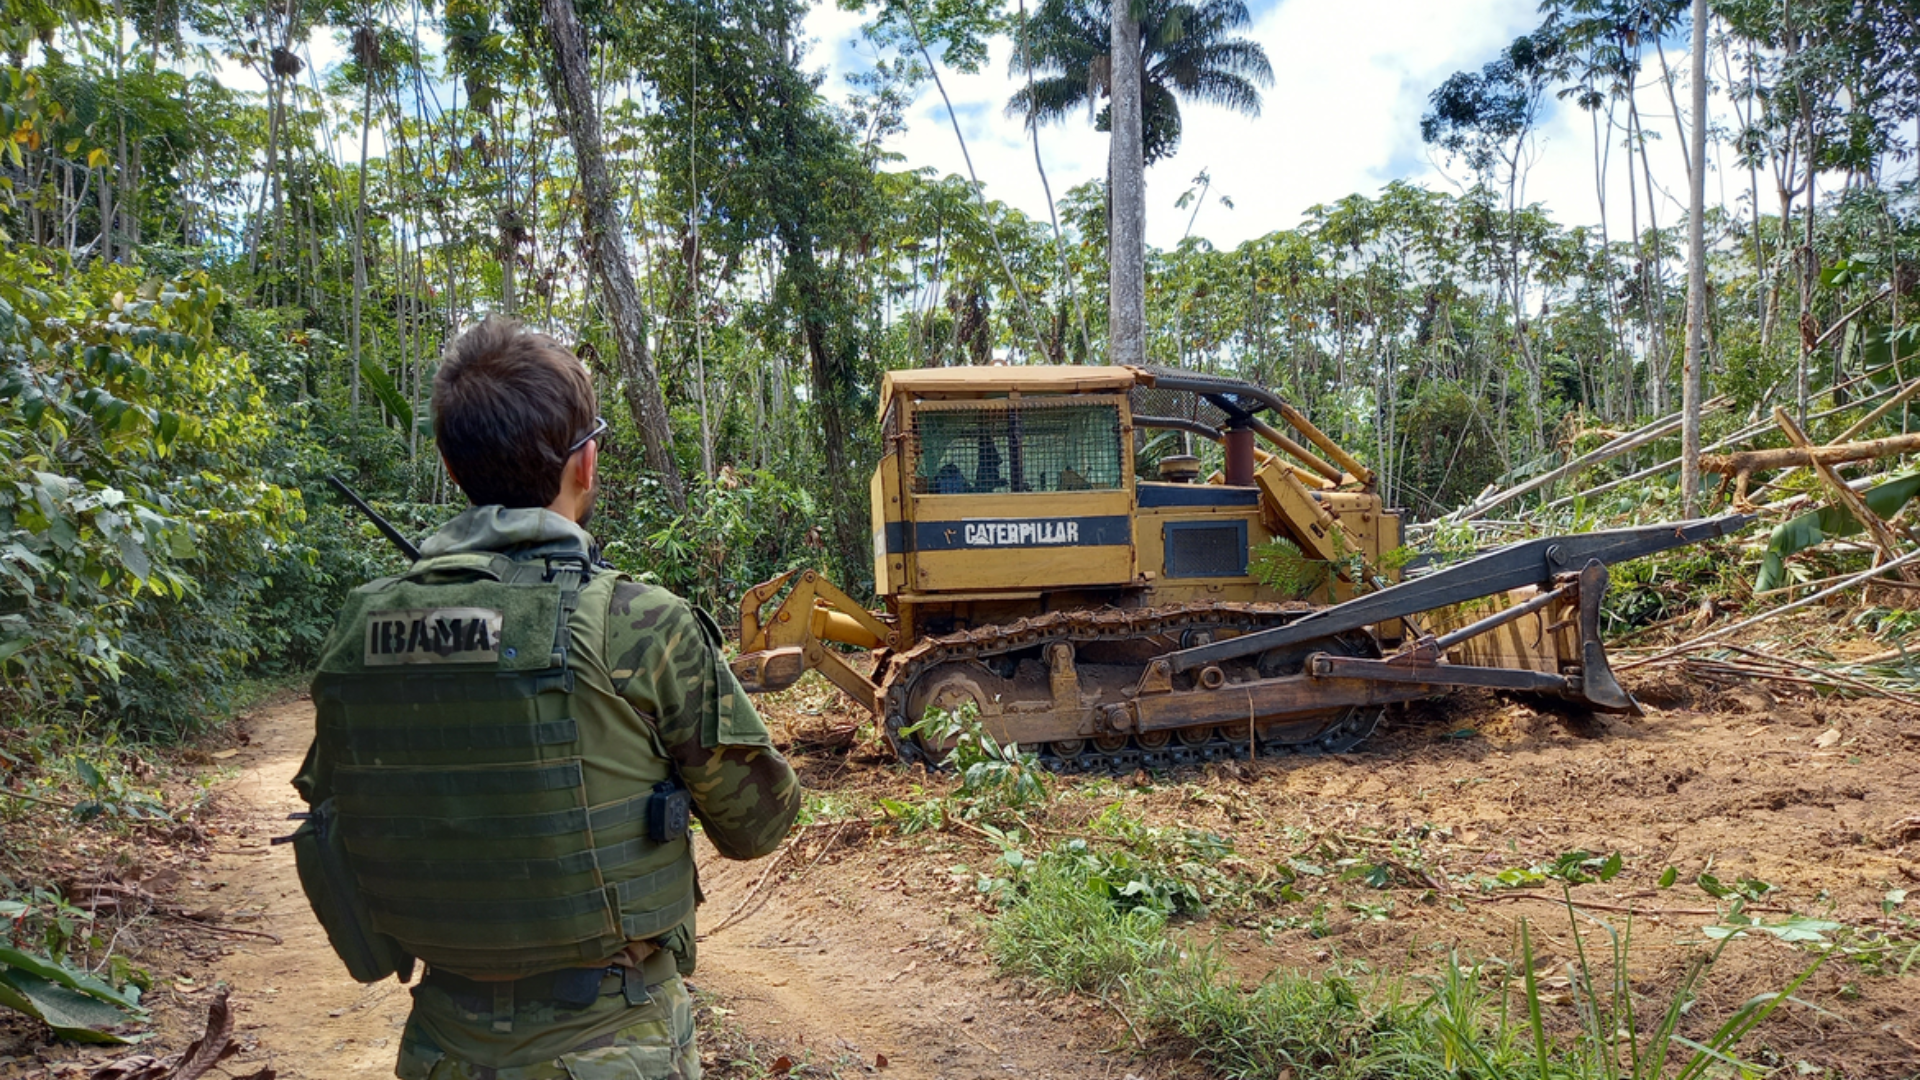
(529, 911)
(375, 782)
(658, 921)
(517, 826)
(606, 859)
(369, 688)
(453, 736)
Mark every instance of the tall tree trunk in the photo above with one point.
(1127, 236)
(270, 186)
(572, 90)
(1696, 271)
(1809, 264)
(360, 227)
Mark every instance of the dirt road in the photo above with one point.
(860, 941)
(833, 976)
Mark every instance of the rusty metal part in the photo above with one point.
(1514, 566)
(951, 669)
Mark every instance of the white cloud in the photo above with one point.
(1343, 117)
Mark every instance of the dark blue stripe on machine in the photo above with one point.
(1152, 495)
(984, 534)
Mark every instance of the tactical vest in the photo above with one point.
(449, 725)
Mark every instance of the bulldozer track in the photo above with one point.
(903, 669)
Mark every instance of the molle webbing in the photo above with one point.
(644, 887)
(471, 782)
(457, 737)
(606, 858)
(462, 787)
(503, 827)
(421, 688)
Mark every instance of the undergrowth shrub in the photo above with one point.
(135, 520)
(1061, 926)
(1061, 922)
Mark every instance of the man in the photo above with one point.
(511, 736)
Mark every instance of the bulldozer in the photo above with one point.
(1112, 621)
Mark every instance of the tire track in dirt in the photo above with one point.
(819, 967)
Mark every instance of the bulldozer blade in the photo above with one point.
(769, 669)
(1598, 687)
(1529, 562)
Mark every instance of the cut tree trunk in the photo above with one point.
(1750, 461)
(1882, 533)
(572, 87)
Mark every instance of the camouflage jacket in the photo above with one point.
(664, 657)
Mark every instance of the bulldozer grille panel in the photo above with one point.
(1206, 549)
(1014, 447)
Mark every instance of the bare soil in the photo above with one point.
(857, 944)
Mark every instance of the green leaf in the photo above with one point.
(71, 1015)
(80, 982)
(1610, 867)
(381, 384)
(89, 775)
(1814, 526)
(134, 557)
(1669, 876)
(1712, 887)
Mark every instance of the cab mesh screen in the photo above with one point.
(1012, 447)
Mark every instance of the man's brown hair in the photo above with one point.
(507, 402)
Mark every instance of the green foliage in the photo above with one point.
(133, 513)
(993, 775)
(1280, 565)
(1060, 925)
(1186, 54)
(37, 979)
(73, 1003)
(1062, 922)
(1571, 868)
(739, 531)
(1816, 526)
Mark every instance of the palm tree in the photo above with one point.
(1185, 54)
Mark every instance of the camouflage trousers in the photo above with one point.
(608, 1040)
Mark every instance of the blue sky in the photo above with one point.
(1351, 82)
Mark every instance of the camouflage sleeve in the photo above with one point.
(667, 661)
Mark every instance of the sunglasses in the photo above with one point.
(599, 429)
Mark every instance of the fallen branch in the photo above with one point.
(1749, 670)
(1626, 908)
(772, 865)
(1748, 461)
(217, 928)
(1885, 407)
(1844, 680)
(4, 793)
(1125, 1019)
(1632, 440)
(1719, 444)
(1704, 640)
(1883, 657)
(1883, 535)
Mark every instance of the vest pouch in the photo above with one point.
(320, 855)
(679, 942)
